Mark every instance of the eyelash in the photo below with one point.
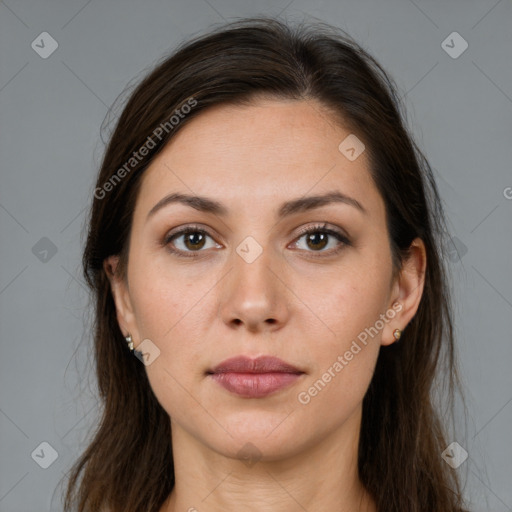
(310, 230)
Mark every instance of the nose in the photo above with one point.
(254, 295)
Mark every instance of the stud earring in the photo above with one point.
(129, 341)
(397, 333)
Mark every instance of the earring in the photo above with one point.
(397, 333)
(129, 342)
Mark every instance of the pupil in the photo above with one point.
(194, 239)
(313, 235)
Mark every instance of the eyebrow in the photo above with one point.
(207, 205)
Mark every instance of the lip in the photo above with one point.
(262, 364)
(254, 378)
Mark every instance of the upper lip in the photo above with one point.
(262, 364)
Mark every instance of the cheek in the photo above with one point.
(350, 305)
(353, 299)
(336, 392)
(344, 363)
(168, 310)
(165, 314)
(161, 298)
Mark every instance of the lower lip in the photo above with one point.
(254, 385)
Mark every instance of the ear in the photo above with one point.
(121, 295)
(407, 291)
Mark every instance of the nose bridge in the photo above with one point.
(254, 295)
(252, 262)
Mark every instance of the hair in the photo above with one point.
(128, 465)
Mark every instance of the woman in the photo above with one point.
(265, 238)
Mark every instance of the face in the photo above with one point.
(262, 275)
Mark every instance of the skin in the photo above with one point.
(287, 303)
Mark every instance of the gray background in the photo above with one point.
(459, 109)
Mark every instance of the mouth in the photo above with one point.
(254, 378)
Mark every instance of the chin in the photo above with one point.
(257, 437)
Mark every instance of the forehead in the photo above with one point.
(270, 151)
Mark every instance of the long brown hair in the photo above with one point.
(128, 465)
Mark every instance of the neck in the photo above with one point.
(321, 477)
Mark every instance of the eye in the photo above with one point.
(188, 240)
(317, 238)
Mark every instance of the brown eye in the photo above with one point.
(194, 240)
(317, 240)
(188, 241)
(319, 237)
